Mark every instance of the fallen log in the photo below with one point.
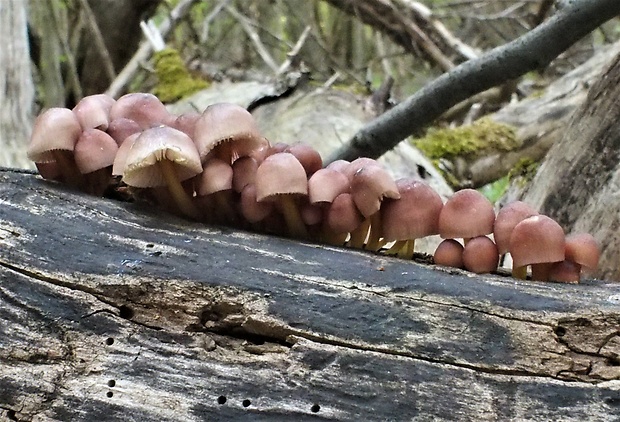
(111, 311)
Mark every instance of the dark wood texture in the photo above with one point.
(110, 311)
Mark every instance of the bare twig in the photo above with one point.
(292, 55)
(144, 52)
(209, 18)
(531, 51)
(254, 37)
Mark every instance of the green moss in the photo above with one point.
(524, 171)
(495, 190)
(467, 140)
(174, 81)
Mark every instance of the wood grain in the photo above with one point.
(111, 311)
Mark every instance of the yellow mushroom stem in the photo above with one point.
(179, 195)
(358, 236)
(519, 272)
(402, 248)
(292, 217)
(68, 168)
(375, 232)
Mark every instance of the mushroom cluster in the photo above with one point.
(216, 167)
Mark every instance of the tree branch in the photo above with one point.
(533, 50)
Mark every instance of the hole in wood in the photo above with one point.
(109, 341)
(150, 245)
(125, 312)
(613, 361)
(560, 331)
(111, 383)
(315, 408)
(109, 394)
(246, 403)
(11, 414)
(221, 400)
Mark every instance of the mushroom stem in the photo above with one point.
(336, 239)
(358, 236)
(98, 181)
(295, 224)
(406, 252)
(520, 272)
(180, 197)
(396, 247)
(68, 168)
(375, 232)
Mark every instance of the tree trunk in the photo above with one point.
(17, 90)
(577, 184)
(114, 312)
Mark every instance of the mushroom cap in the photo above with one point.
(118, 167)
(55, 129)
(342, 214)
(122, 128)
(414, 215)
(94, 150)
(244, 172)
(216, 176)
(279, 174)
(93, 111)
(325, 185)
(339, 165)
(226, 122)
(480, 255)
(186, 122)
(370, 184)
(466, 214)
(157, 144)
(507, 218)
(252, 210)
(449, 253)
(535, 240)
(309, 158)
(143, 108)
(583, 249)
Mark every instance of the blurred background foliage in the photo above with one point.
(218, 40)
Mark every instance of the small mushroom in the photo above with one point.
(341, 218)
(583, 250)
(449, 253)
(565, 272)
(281, 178)
(507, 218)
(94, 153)
(163, 156)
(537, 241)
(122, 128)
(228, 130)
(466, 214)
(53, 139)
(143, 108)
(480, 255)
(214, 191)
(413, 216)
(93, 111)
(309, 158)
(370, 185)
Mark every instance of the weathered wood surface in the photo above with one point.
(579, 180)
(114, 312)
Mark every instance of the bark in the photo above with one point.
(112, 311)
(577, 184)
(532, 51)
(17, 90)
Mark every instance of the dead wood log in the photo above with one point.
(115, 312)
